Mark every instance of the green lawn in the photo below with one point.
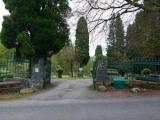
(67, 77)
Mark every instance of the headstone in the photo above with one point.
(101, 74)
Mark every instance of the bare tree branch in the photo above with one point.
(99, 12)
(95, 9)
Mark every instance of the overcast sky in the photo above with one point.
(100, 39)
(97, 37)
(3, 12)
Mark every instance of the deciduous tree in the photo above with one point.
(99, 12)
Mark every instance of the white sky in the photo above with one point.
(97, 37)
(100, 39)
(3, 12)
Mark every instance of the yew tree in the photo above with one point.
(43, 21)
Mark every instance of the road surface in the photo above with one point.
(69, 101)
(110, 109)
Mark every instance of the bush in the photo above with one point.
(146, 71)
(59, 71)
(121, 71)
(112, 72)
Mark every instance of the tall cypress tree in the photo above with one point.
(43, 21)
(82, 42)
(98, 53)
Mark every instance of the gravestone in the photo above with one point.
(101, 73)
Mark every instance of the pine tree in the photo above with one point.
(116, 43)
(130, 42)
(143, 35)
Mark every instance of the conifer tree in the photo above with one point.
(44, 23)
(143, 38)
(116, 43)
(98, 54)
(82, 42)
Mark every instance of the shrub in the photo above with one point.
(146, 71)
(59, 70)
(112, 72)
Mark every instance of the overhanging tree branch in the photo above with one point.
(95, 10)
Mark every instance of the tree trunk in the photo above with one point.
(30, 68)
(47, 72)
(71, 68)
